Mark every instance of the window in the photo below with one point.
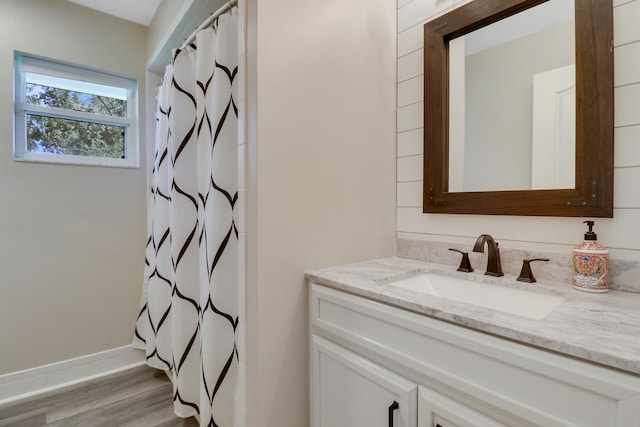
(67, 114)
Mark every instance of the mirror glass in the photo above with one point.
(496, 159)
(512, 106)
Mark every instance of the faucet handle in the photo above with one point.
(465, 264)
(526, 274)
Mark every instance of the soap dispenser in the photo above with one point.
(590, 263)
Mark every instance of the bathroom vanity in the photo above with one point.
(387, 351)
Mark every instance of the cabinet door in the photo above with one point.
(351, 391)
(437, 410)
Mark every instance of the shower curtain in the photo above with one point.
(189, 309)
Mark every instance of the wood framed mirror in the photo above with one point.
(592, 190)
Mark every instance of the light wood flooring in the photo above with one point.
(139, 397)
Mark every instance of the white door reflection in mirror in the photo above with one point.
(553, 155)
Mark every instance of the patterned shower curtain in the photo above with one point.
(189, 308)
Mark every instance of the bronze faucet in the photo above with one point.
(493, 259)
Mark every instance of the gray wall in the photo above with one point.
(164, 20)
(73, 237)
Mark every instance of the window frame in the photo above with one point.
(24, 63)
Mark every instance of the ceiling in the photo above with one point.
(140, 11)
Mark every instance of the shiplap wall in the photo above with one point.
(620, 234)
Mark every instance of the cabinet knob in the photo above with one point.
(392, 408)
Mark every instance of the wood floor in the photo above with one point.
(139, 397)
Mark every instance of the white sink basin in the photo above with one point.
(509, 300)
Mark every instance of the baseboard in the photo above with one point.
(18, 385)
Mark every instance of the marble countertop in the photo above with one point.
(601, 328)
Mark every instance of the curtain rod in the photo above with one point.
(208, 21)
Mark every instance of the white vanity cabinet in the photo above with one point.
(351, 391)
(437, 410)
(366, 355)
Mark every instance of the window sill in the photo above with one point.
(76, 160)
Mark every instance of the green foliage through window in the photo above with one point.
(62, 136)
(74, 114)
(48, 96)
(74, 137)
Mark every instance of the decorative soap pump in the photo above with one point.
(590, 263)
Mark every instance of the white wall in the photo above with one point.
(556, 235)
(320, 175)
(73, 237)
(240, 402)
